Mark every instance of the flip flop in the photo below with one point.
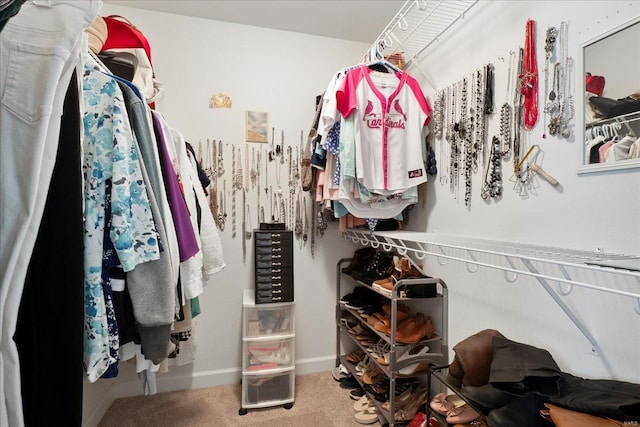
(362, 404)
(368, 416)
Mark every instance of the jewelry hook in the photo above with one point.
(422, 5)
(419, 253)
(508, 278)
(442, 261)
(403, 24)
(566, 276)
(470, 265)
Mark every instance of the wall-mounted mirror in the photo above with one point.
(611, 88)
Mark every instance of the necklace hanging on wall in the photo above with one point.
(233, 191)
(247, 175)
(220, 160)
(257, 170)
(244, 226)
(272, 152)
(280, 148)
(505, 115)
(254, 170)
(279, 193)
(292, 188)
(305, 224)
(549, 46)
(210, 170)
(312, 228)
(321, 223)
(298, 225)
(222, 213)
(267, 159)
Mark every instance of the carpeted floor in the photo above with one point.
(319, 402)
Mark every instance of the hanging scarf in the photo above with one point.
(529, 79)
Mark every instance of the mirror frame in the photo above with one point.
(580, 111)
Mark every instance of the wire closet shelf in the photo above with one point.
(417, 25)
(542, 262)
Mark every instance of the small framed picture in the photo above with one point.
(257, 126)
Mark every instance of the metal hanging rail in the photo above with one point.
(525, 259)
(418, 24)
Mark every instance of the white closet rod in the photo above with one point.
(435, 245)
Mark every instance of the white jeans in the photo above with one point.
(39, 49)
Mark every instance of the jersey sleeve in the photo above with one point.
(419, 96)
(346, 92)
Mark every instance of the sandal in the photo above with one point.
(362, 404)
(367, 416)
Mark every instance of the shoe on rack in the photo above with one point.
(339, 372)
(443, 403)
(420, 329)
(462, 414)
(356, 393)
(403, 392)
(363, 403)
(349, 382)
(355, 356)
(372, 373)
(368, 416)
(414, 369)
(378, 390)
(411, 407)
(361, 258)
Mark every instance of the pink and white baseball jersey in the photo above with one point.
(392, 113)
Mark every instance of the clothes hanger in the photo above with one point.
(377, 62)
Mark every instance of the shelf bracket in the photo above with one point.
(595, 348)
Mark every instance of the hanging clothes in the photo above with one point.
(39, 49)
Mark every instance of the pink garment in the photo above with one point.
(391, 115)
(602, 151)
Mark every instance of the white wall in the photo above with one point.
(280, 72)
(585, 211)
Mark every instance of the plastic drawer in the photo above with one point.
(268, 320)
(265, 355)
(267, 390)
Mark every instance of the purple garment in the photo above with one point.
(187, 243)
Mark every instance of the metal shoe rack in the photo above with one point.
(435, 306)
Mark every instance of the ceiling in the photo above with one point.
(358, 20)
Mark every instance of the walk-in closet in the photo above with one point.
(330, 213)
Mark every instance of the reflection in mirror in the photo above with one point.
(612, 99)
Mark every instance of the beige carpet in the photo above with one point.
(319, 402)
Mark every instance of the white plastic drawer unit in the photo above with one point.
(265, 355)
(268, 390)
(268, 320)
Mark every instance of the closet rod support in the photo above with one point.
(595, 348)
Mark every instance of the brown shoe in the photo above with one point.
(422, 327)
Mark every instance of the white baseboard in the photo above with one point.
(168, 382)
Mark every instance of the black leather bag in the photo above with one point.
(609, 108)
